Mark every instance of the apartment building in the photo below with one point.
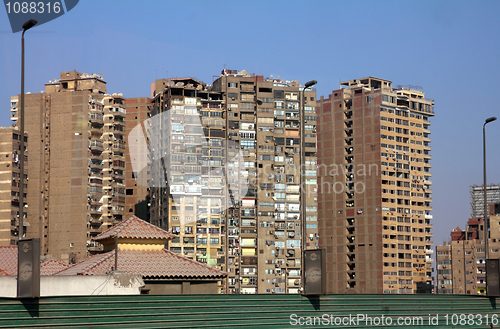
(10, 178)
(461, 263)
(233, 195)
(374, 187)
(186, 157)
(136, 195)
(76, 165)
(477, 198)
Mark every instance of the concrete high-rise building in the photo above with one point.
(233, 193)
(374, 180)
(136, 195)
(10, 178)
(186, 157)
(460, 263)
(477, 198)
(76, 170)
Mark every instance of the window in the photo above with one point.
(247, 144)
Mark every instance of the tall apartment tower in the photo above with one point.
(374, 201)
(477, 198)
(460, 263)
(136, 195)
(76, 165)
(187, 154)
(234, 196)
(10, 178)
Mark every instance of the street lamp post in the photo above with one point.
(486, 224)
(28, 252)
(302, 181)
(26, 26)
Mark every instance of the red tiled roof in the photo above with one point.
(148, 263)
(4, 272)
(8, 263)
(52, 266)
(8, 259)
(135, 228)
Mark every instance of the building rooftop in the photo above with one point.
(149, 263)
(135, 228)
(8, 260)
(8, 263)
(52, 266)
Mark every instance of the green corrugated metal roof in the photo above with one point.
(242, 311)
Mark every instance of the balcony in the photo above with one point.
(96, 119)
(95, 210)
(96, 145)
(118, 130)
(117, 122)
(119, 112)
(119, 146)
(118, 176)
(95, 130)
(96, 164)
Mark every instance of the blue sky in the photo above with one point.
(449, 48)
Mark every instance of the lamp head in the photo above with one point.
(490, 120)
(29, 24)
(310, 83)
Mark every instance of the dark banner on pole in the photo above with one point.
(492, 277)
(20, 12)
(28, 268)
(314, 272)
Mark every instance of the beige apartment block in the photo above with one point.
(243, 219)
(76, 164)
(461, 263)
(374, 180)
(10, 178)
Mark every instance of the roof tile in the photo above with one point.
(149, 263)
(8, 263)
(52, 266)
(8, 259)
(135, 228)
